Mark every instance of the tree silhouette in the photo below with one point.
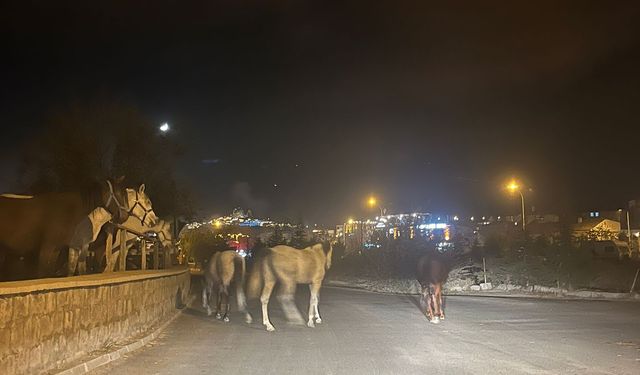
(299, 239)
(90, 141)
(276, 238)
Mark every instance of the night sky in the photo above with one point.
(428, 105)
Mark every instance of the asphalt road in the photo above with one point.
(368, 333)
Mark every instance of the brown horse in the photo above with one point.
(290, 266)
(34, 231)
(433, 270)
(218, 274)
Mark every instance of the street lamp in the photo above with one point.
(373, 202)
(513, 187)
(164, 127)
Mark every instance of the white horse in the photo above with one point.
(291, 266)
(161, 228)
(139, 208)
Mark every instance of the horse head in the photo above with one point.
(141, 207)
(114, 199)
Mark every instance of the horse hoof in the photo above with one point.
(435, 320)
(310, 324)
(218, 316)
(209, 312)
(248, 319)
(226, 319)
(318, 321)
(271, 328)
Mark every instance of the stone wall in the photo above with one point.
(47, 324)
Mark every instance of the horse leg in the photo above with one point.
(440, 303)
(205, 300)
(242, 302)
(314, 290)
(206, 297)
(219, 302)
(224, 294)
(433, 307)
(287, 300)
(424, 301)
(269, 283)
(74, 254)
(82, 259)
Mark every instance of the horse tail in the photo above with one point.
(254, 284)
(328, 256)
(240, 266)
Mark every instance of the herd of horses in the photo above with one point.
(288, 267)
(52, 234)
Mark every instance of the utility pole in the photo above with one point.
(629, 232)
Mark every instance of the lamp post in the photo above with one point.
(513, 187)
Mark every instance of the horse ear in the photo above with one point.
(141, 189)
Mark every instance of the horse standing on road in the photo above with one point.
(218, 274)
(433, 270)
(34, 231)
(290, 266)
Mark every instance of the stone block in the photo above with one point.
(62, 299)
(37, 304)
(29, 336)
(7, 365)
(57, 323)
(45, 326)
(49, 303)
(19, 307)
(68, 321)
(16, 333)
(5, 341)
(35, 358)
(6, 311)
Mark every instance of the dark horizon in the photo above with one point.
(428, 106)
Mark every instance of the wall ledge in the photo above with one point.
(9, 288)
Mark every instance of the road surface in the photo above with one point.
(369, 333)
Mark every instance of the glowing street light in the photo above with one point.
(164, 127)
(513, 186)
(373, 202)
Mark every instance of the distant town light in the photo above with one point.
(164, 127)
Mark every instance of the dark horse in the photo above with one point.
(433, 270)
(34, 231)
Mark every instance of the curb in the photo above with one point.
(90, 365)
(584, 295)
